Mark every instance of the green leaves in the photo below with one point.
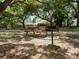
(2, 1)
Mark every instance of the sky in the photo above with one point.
(30, 19)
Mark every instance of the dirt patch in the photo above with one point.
(23, 47)
(30, 51)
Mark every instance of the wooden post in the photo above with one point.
(51, 32)
(52, 36)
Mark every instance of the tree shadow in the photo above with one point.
(39, 36)
(73, 40)
(17, 51)
(15, 37)
(53, 52)
(27, 37)
(28, 51)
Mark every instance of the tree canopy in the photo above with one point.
(57, 10)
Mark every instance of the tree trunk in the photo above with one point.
(68, 23)
(78, 14)
(78, 21)
(23, 24)
(59, 22)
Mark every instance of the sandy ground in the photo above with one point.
(59, 40)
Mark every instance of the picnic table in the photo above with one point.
(40, 29)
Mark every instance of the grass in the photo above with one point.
(11, 30)
(68, 29)
(72, 29)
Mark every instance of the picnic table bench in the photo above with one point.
(41, 30)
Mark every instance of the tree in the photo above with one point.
(4, 4)
(20, 8)
(75, 5)
(53, 9)
(60, 16)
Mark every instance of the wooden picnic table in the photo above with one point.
(40, 30)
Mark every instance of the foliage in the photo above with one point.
(52, 9)
(2, 1)
(59, 10)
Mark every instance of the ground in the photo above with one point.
(16, 45)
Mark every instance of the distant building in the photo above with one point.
(73, 22)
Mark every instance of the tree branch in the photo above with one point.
(69, 3)
(75, 1)
(44, 18)
(42, 2)
(73, 7)
(17, 2)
